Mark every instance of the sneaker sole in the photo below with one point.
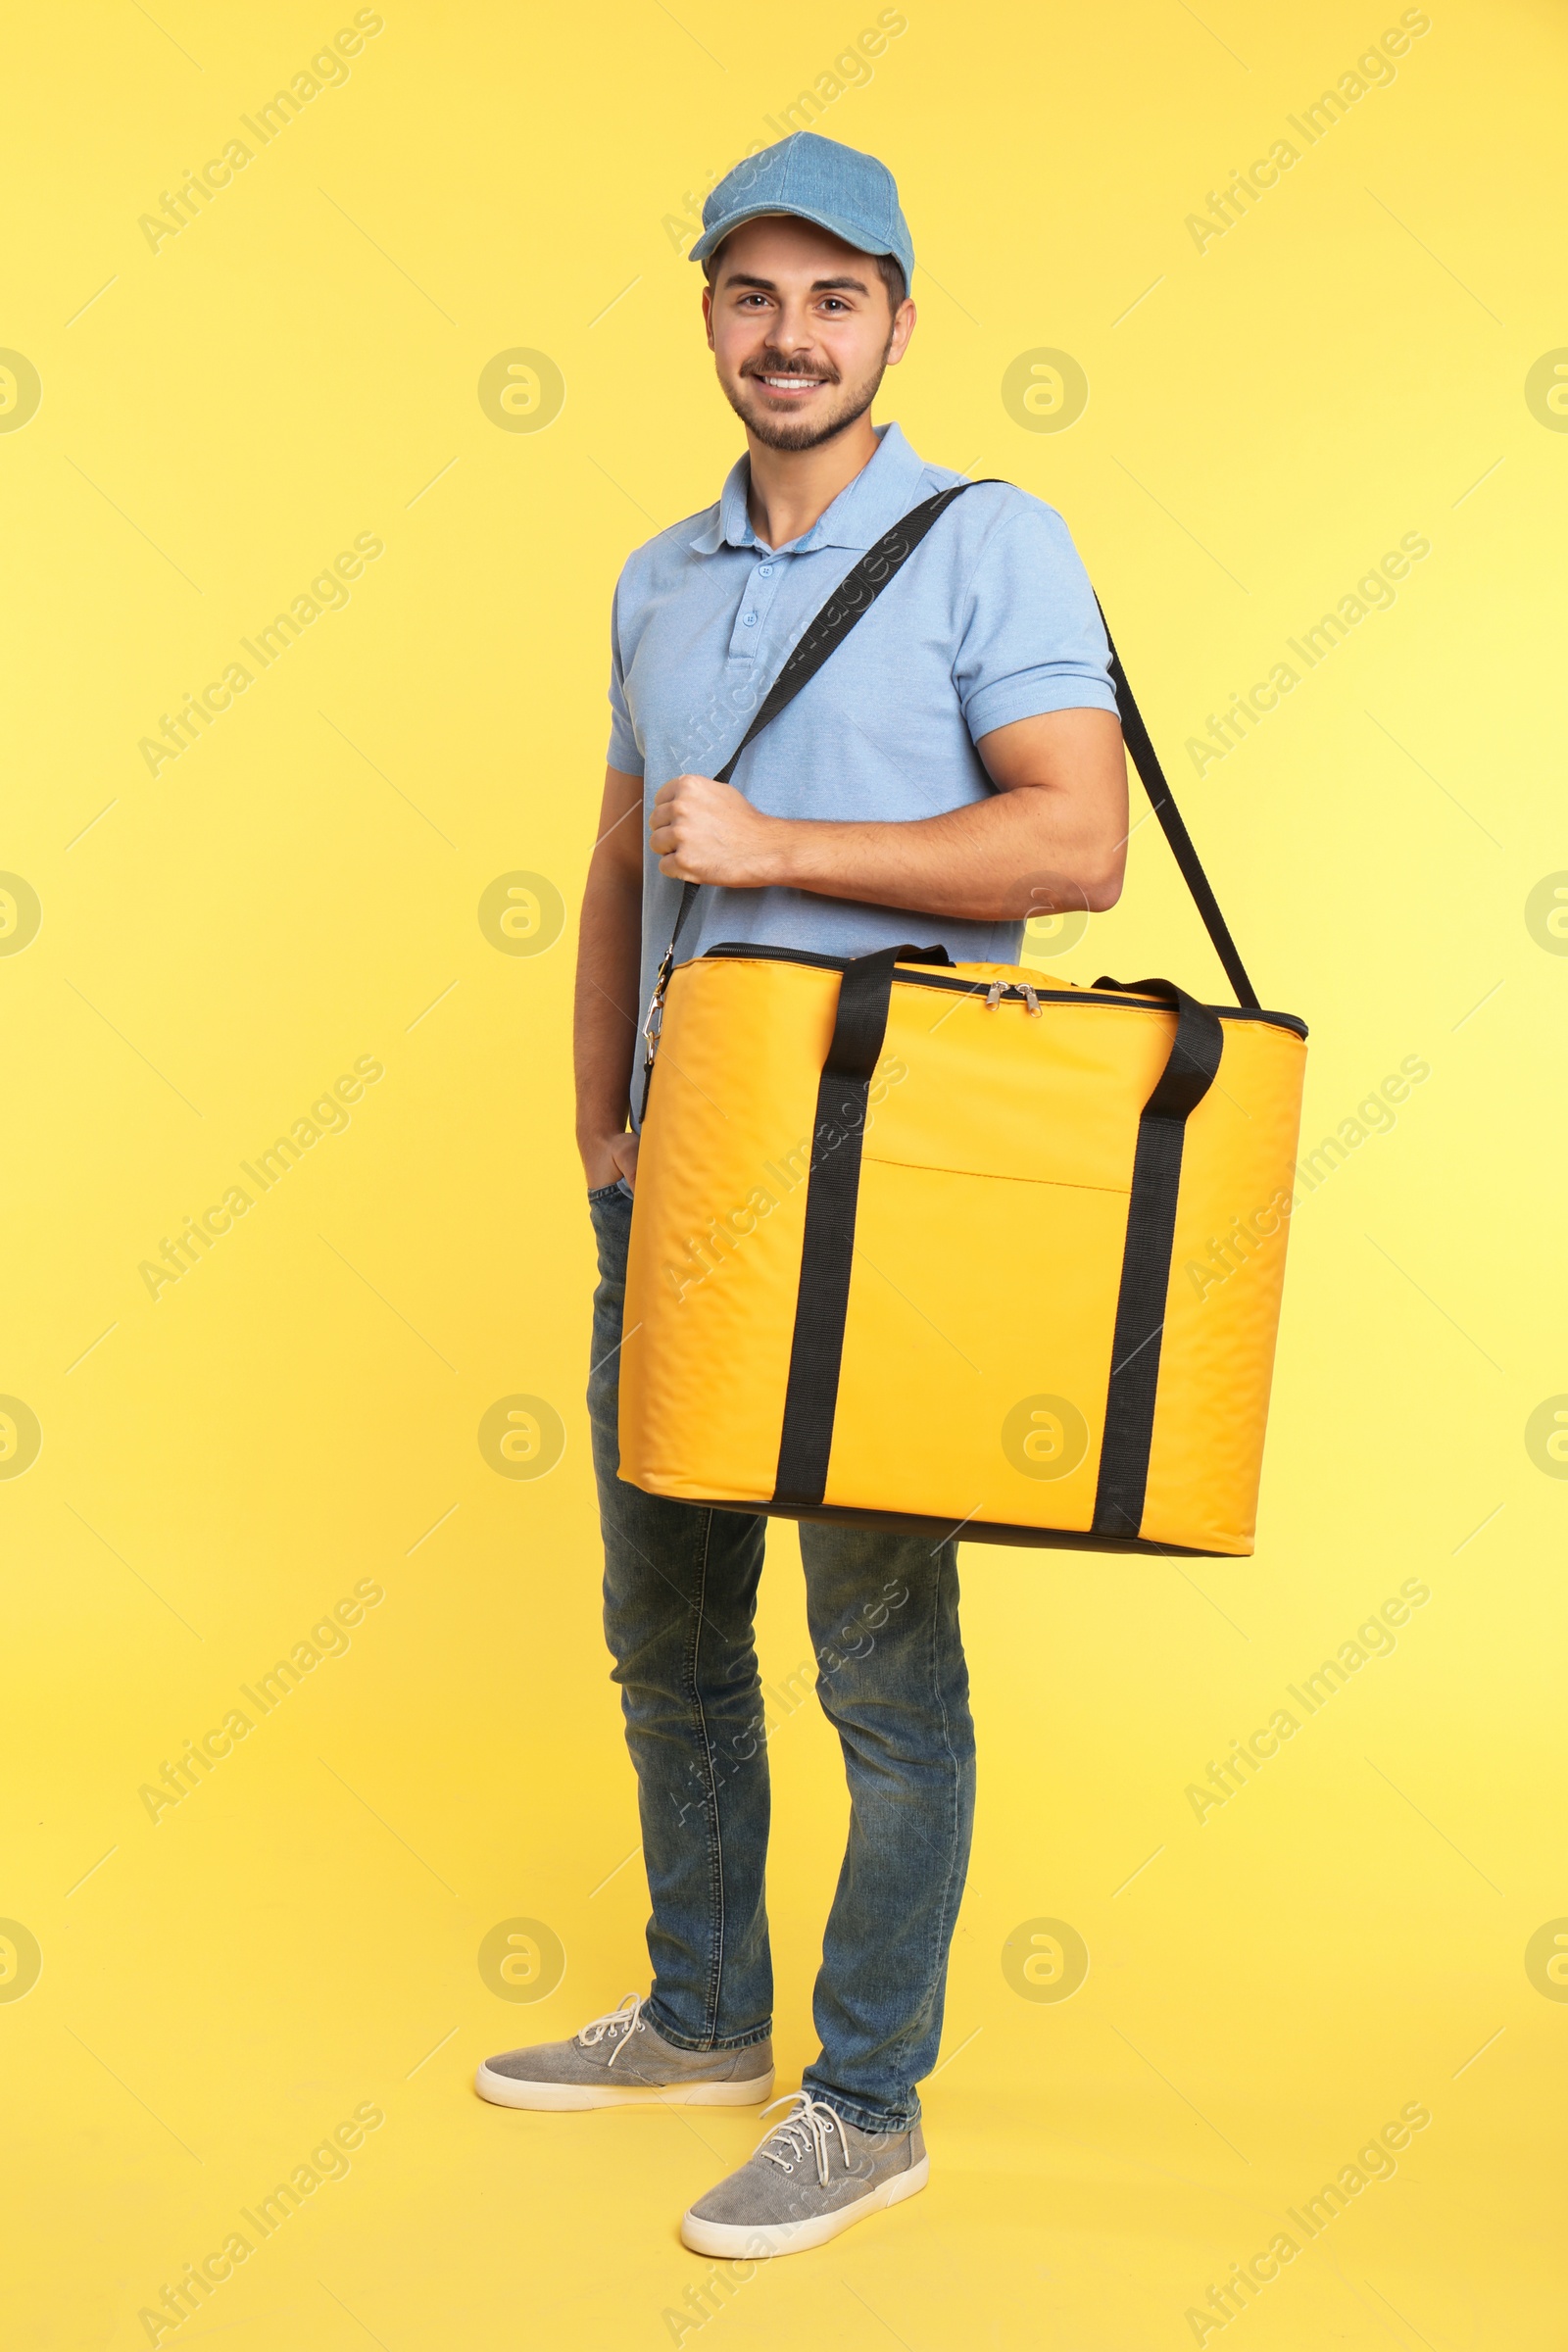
(505, 2090)
(749, 2240)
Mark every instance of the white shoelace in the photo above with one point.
(807, 2128)
(620, 2022)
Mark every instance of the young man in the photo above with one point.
(956, 766)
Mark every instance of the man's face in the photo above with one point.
(801, 330)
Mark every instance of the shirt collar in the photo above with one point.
(880, 494)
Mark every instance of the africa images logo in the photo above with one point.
(327, 593)
(327, 1115)
(327, 70)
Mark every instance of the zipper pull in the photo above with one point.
(994, 996)
(1033, 1002)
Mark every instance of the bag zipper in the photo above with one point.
(996, 991)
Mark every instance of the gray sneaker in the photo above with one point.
(812, 2175)
(619, 2060)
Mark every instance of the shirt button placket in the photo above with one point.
(756, 604)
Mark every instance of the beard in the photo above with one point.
(784, 432)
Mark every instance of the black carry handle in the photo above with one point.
(832, 1194)
(1195, 1048)
(865, 999)
(1191, 1067)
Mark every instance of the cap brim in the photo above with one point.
(712, 238)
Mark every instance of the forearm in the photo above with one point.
(989, 862)
(1053, 833)
(604, 1030)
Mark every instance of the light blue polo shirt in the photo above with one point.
(991, 619)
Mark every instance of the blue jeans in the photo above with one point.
(680, 1600)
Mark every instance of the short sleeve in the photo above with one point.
(625, 753)
(1032, 638)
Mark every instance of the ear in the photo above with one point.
(708, 315)
(904, 319)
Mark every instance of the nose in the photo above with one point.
(792, 329)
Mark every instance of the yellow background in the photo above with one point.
(299, 888)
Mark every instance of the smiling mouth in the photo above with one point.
(790, 384)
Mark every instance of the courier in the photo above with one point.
(892, 1226)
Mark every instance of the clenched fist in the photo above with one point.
(704, 831)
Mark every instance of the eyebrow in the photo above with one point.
(819, 285)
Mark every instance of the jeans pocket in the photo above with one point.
(621, 1190)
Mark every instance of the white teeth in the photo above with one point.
(788, 384)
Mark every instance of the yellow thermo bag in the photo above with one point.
(958, 1248)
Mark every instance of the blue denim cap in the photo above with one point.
(816, 180)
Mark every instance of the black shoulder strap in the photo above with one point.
(854, 596)
(1147, 761)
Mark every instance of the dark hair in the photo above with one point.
(889, 271)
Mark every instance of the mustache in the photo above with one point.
(764, 365)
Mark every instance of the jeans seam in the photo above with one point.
(942, 1925)
(948, 1912)
(744, 2042)
(715, 1972)
(875, 2125)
